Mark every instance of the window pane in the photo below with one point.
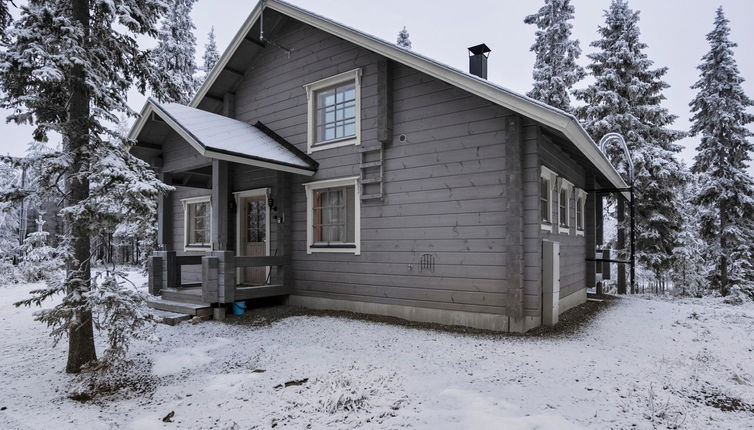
(198, 224)
(336, 113)
(544, 186)
(333, 215)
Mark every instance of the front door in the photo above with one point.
(252, 235)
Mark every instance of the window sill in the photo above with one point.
(346, 141)
(197, 248)
(579, 232)
(346, 248)
(546, 227)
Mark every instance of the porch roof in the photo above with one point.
(217, 136)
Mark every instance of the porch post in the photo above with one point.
(220, 201)
(621, 243)
(171, 275)
(165, 217)
(155, 275)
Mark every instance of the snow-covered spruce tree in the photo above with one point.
(9, 224)
(403, 41)
(726, 190)
(67, 68)
(691, 263)
(39, 261)
(5, 17)
(626, 98)
(211, 54)
(555, 68)
(173, 58)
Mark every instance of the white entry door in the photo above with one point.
(253, 233)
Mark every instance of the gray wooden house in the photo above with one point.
(333, 168)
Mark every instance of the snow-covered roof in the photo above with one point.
(550, 116)
(217, 136)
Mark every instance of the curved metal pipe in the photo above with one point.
(616, 137)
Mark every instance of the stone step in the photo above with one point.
(170, 318)
(193, 295)
(198, 309)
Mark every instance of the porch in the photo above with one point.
(223, 234)
(220, 272)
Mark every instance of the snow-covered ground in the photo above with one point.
(644, 363)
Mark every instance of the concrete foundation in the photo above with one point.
(572, 300)
(482, 321)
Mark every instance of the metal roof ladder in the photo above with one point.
(372, 170)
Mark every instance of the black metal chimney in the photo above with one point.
(478, 60)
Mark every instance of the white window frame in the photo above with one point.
(551, 177)
(186, 203)
(564, 184)
(331, 183)
(311, 89)
(581, 197)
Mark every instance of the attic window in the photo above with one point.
(334, 113)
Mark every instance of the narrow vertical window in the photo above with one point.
(563, 208)
(544, 198)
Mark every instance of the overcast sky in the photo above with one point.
(674, 30)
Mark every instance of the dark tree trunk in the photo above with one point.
(724, 287)
(81, 336)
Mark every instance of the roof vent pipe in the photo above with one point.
(478, 60)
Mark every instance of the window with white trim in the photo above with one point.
(334, 113)
(333, 216)
(565, 189)
(581, 196)
(197, 216)
(546, 183)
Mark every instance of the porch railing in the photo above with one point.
(219, 283)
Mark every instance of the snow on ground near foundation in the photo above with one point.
(644, 363)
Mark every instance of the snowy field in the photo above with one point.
(644, 363)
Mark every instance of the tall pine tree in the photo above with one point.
(211, 55)
(67, 68)
(174, 58)
(555, 68)
(403, 39)
(626, 98)
(726, 190)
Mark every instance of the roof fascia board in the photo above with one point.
(258, 163)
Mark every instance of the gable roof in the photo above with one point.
(552, 117)
(217, 136)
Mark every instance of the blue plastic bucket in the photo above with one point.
(239, 308)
